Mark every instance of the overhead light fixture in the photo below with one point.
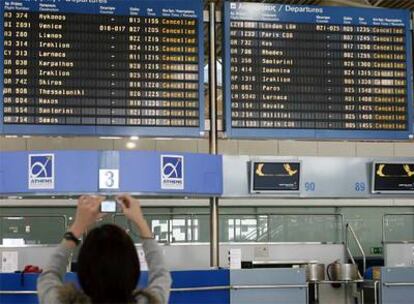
(164, 138)
(130, 145)
(110, 137)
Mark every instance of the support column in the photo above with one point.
(214, 212)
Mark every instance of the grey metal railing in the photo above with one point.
(376, 286)
(188, 289)
(351, 233)
(18, 292)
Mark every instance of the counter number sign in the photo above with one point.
(108, 179)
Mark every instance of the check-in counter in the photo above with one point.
(282, 285)
(391, 285)
(203, 286)
(200, 286)
(396, 285)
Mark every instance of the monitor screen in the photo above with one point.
(275, 176)
(393, 177)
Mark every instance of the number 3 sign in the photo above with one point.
(108, 179)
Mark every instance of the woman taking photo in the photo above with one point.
(108, 265)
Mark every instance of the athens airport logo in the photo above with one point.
(41, 171)
(172, 172)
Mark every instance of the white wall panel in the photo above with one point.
(336, 149)
(298, 148)
(367, 149)
(404, 149)
(12, 144)
(262, 147)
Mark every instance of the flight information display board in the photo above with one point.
(102, 67)
(317, 72)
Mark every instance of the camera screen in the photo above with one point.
(108, 206)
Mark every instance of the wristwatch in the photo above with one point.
(69, 236)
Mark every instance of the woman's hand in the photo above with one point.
(86, 214)
(132, 210)
(131, 207)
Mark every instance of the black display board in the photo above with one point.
(317, 72)
(102, 68)
(274, 177)
(393, 177)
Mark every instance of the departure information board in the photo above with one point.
(102, 67)
(317, 72)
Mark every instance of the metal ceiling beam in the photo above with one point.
(377, 2)
(392, 4)
(408, 4)
(399, 4)
(354, 3)
(395, 3)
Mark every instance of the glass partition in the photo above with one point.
(282, 228)
(171, 228)
(31, 230)
(36, 225)
(243, 228)
(398, 227)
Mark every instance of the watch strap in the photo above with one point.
(71, 237)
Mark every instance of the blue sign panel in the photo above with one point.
(75, 172)
(317, 72)
(42, 172)
(185, 173)
(110, 67)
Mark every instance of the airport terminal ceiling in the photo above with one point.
(335, 177)
(395, 4)
(400, 4)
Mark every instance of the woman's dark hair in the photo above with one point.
(108, 265)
